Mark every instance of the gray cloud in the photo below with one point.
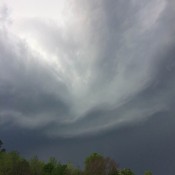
(110, 66)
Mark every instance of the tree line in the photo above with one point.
(11, 163)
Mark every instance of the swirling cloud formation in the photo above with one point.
(82, 67)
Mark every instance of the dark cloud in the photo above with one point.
(61, 74)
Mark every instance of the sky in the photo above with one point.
(83, 76)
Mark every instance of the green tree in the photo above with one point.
(54, 168)
(48, 168)
(71, 170)
(5, 164)
(111, 167)
(148, 173)
(23, 168)
(126, 171)
(96, 164)
(15, 161)
(9, 163)
(60, 169)
(36, 166)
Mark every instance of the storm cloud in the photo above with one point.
(101, 65)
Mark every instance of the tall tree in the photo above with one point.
(96, 164)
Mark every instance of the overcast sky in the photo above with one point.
(80, 76)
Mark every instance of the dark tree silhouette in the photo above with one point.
(1, 149)
(1, 143)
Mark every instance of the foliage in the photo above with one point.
(71, 170)
(36, 166)
(148, 173)
(11, 163)
(126, 171)
(96, 164)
